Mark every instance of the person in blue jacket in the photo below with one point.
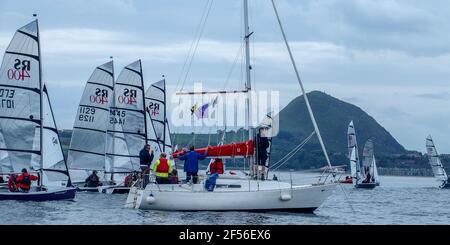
(191, 159)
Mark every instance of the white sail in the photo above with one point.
(155, 99)
(20, 112)
(435, 161)
(368, 156)
(20, 82)
(352, 144)
(127, 132)
(168, 141)
(375, 171)
(353, 168)
(88, 143)
(55, 169)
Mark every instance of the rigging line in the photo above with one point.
(192, 43)
(291, 154)
(239, 53)
(196, 45)
(308, 106)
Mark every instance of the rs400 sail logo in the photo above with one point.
(21, 70)
(128, 97)
(99, 97)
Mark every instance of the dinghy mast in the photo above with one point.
(41, 105)
(308, 106)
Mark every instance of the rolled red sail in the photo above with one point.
(238, 150)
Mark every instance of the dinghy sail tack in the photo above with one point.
(436, 164)
(28, 134)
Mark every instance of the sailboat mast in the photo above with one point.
(311, 114)
(111, 177)
(248, 84)
(41, 108)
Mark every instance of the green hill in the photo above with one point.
(332, 116)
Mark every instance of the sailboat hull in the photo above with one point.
(366, 185)
(271, 196)
(40, 196)
(445, 186)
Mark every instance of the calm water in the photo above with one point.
(399, 200)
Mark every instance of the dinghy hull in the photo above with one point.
(366, 185)
(40, 196)
(299, 199)
(445, 186)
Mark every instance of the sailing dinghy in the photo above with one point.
(127, 130)
(365, 173)
(436, 164)
(87, 150)
(158, 131)
(245, 193)
(28, 133)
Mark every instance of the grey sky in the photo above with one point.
(390, 57)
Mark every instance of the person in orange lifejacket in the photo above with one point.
(216, 166)
(24, 180)
(162, 168)
(12, 185)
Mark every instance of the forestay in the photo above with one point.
(88, 143)
(435, 161)
(127, 132)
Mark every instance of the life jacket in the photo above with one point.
(163, 166)
(216, 167)
(12, 186)
(25, 183)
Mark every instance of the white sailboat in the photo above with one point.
(158, 132)
(87, 150)
(364, 173)
(28, 133)
(127, 131)
(369, 162)
(237, 194)
(436, 164)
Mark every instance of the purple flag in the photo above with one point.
(202, 112)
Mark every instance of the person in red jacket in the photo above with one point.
(23, 181)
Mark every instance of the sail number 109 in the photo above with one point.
(87, 114)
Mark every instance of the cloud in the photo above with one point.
(435, 96)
